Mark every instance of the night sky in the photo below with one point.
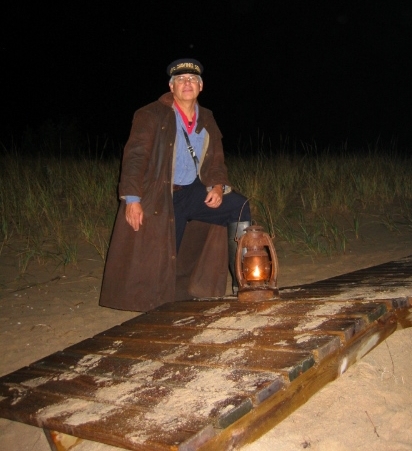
(313, 71)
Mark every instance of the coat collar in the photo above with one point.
(167, 99)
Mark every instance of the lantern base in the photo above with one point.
(256, 294)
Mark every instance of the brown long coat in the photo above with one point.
(142, 271)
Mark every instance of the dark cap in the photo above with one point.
(184, 66)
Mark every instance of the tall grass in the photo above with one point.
(318, 199)
(50, 204)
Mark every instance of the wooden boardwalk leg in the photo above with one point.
(61, 442)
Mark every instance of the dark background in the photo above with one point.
(313, 71)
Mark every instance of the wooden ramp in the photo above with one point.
(211, 374)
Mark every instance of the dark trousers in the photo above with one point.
(189, 204)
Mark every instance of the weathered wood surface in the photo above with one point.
(388, 280)
(213, 373)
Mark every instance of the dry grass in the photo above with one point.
(317, 200)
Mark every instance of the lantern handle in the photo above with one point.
(238, 262)
(239, 221)
(273, 281)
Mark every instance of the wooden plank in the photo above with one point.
(290, 364)
(275, 322)
(141, 392)
(320, 345)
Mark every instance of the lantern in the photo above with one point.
(256, 266)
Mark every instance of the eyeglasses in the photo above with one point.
(181, 80)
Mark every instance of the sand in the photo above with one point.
(369, 407)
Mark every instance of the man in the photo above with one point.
(176, 200)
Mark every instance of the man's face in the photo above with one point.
(186, 87)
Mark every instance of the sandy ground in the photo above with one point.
(367, 408)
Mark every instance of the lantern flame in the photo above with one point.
(256, 272)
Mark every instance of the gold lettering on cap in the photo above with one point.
(184, 66)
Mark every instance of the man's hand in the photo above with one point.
(214, 197)
(134, 215)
